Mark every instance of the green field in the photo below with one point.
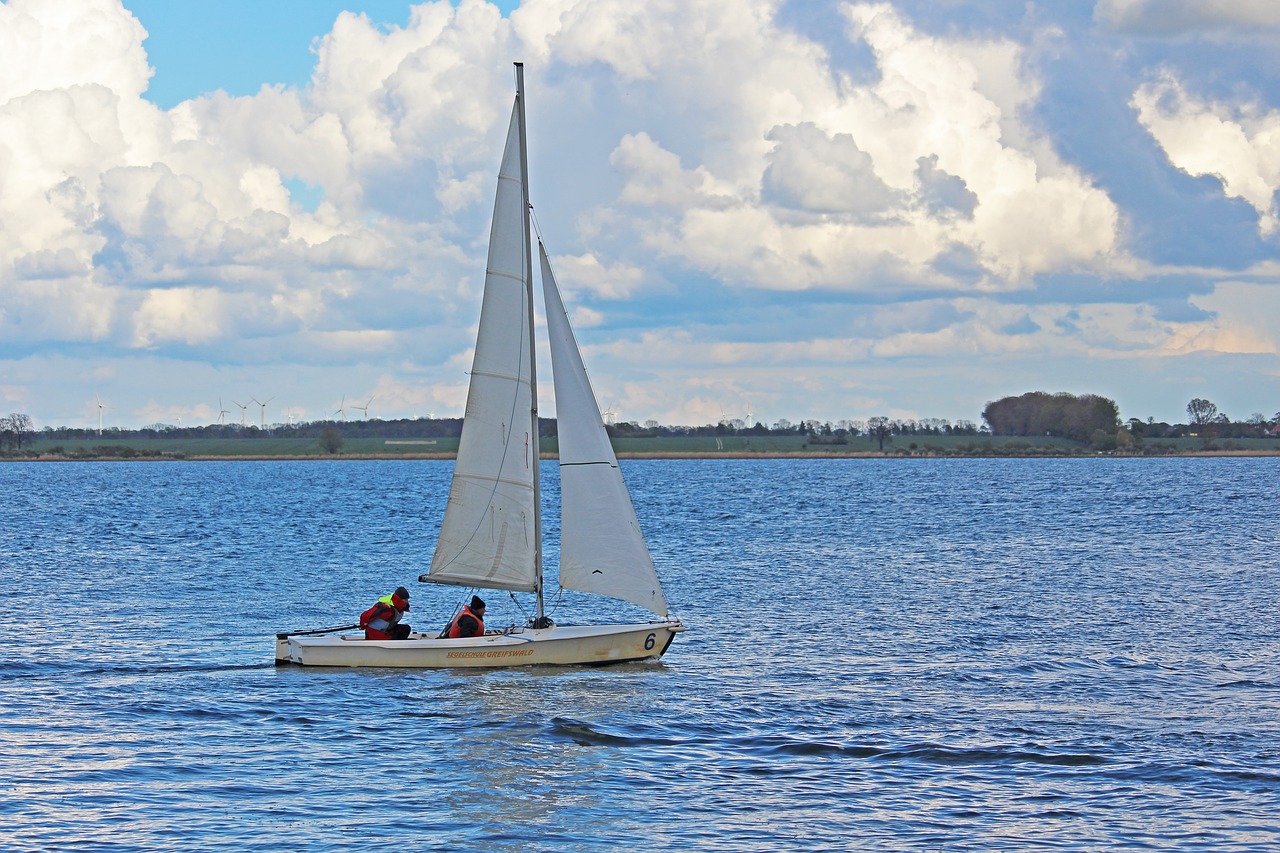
(735, 445)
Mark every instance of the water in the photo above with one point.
(934, 654)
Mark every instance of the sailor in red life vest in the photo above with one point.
(469, 622)
(382, 620)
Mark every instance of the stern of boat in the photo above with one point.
(282, 650)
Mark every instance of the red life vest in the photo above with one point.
(378, 619)
(455, 630)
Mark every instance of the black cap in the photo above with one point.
(477, 603)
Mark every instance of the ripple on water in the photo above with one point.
(960, 655)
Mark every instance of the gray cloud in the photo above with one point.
(809, 170)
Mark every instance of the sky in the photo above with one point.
(275, 211)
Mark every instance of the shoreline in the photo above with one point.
(726, 454)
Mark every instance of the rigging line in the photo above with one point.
(457, 608)
(537, 231)
(555, 605)
(551, 609)
(533, 219)
(515, 601)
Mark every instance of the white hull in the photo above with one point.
(558, 645)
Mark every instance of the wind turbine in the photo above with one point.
(364, 408)
(748, 421)
(101, 406)
(342, 408)
(243, 408)
(263, 414)
(610, 415)
(731, 423)
(222, 413)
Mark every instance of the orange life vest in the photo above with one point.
(455, 630)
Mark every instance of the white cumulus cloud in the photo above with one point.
(888, 191)
(840, 183)
(1238, 143)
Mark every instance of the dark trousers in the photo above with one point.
(394, 632)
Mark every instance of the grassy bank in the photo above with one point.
(672, 447)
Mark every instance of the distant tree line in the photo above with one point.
(819, 432)
(1205, 422)
(1095, 421)
(328, 430)
(403, 428)
(1088, 418)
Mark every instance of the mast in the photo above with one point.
(533, 362)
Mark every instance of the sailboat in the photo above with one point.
(491, 535)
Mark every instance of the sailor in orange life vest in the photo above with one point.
(382, 620)
(469, 622)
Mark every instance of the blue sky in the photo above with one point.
(799, 209)
(238, 47)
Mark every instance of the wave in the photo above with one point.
(1199, 775)
(1249, 682)
(27, 669)
(587, 734)
(938, 754)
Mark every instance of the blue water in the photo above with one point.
(1077, 654)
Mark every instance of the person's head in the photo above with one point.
(477, 604)
(400, 598)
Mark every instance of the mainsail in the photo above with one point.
(489, 537)
(602, 549)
